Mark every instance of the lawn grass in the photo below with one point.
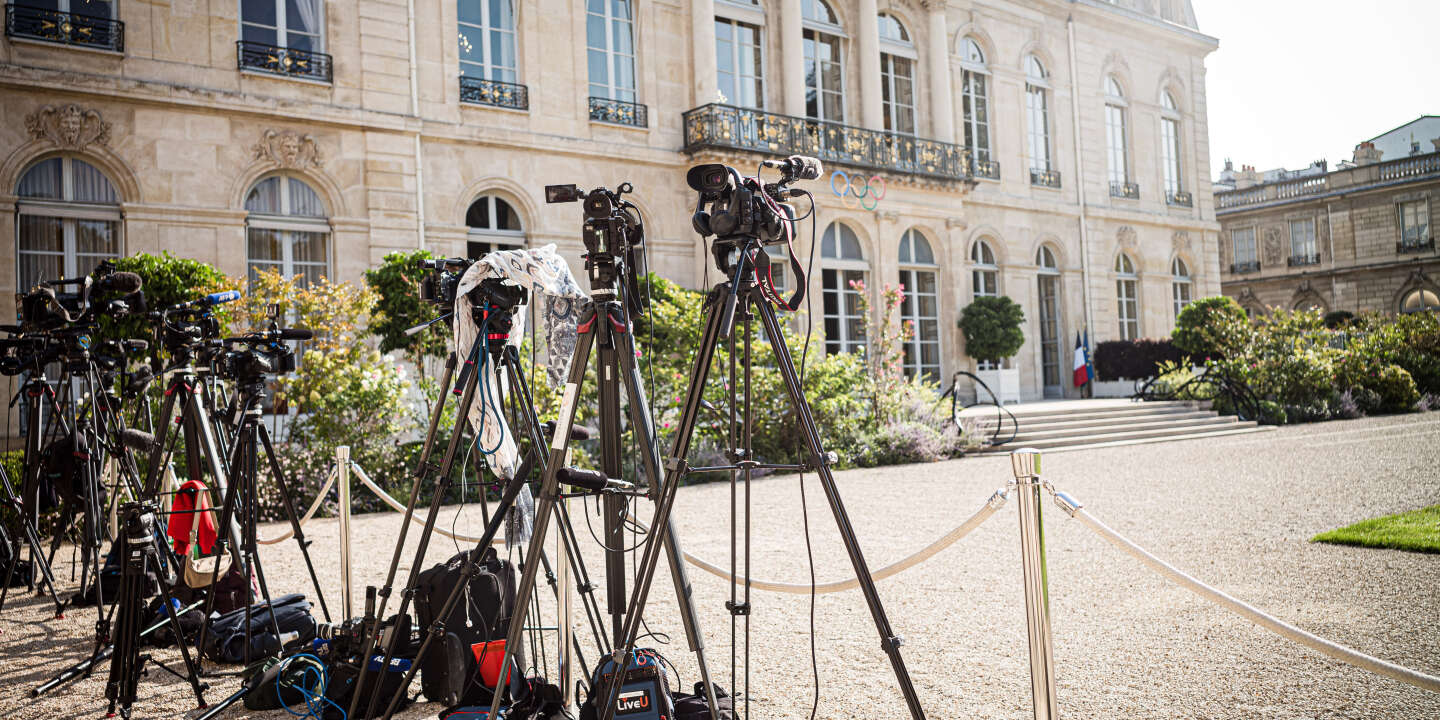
(1417, 531)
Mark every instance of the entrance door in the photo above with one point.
(1050, 335)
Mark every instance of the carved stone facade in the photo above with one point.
(184, 134)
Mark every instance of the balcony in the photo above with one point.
(1240, 268)
(1179, 198)
(479, 91)
(619, 112)
(725, 127)
(1045, 178)
(1302, 260)
(987, 169)
(1127, 190)
(1415, 243)
(1350, 179)
(63, 28)
(288, 62)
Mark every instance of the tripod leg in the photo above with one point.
(549, 496)
(811, 436)
(664, 502)
(289, 504)
(615, 506)
(645, 435)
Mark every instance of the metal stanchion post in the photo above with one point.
(1026, 464)
(342, 466)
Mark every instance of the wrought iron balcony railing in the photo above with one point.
(1127, 190)
(1180, 198)
(480, 91)
(1249, 266)
(1304, 259)
(619, 112)
(283, 61)
(1416, 245)
(1045, 178)
(33, 23)
(987, 169)
(728, 127)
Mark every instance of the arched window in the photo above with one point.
(1045, 261)
(842, 266)
(1127, 297)
(1037, 106)
(287, 230)
(493, 225)
(1170, 146)
(824, 63)
(897, 75)
(921, 309)
(975, 99)
(1181, 285)
(610, 46)
(1419, 300)
(739, 63)
(985, 274)
(68, 221)
(1116, 136)
(487, 39)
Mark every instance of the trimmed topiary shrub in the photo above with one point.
(1211, 327)
(1135, 359)
(992, 328)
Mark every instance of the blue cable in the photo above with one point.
(484, 392)
(313, 676)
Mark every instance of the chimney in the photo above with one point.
(1247, 177)
(1366, 154)
(1436, 143)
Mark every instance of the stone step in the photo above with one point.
(1229, 424)
(1095, 409)
(988, 415)
(1248, 428)
(1044, 425)
(1028, 434)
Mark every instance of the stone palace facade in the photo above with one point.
(1054, 151)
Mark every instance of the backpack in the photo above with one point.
(385, 684)
(693, 707)
(108, 580)
(449, 673)
(644, 691)
(225, 639)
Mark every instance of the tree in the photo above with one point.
(397, 282)
(992, 328)
(1212, 327)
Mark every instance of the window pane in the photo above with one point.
(260, 12)
(264, 197)
(96, 237)
(479, 214)
(303, 200)
(303, 16)
(263, 245)
(43, 180)
(308, 247)
(259, 34)
(41, 250)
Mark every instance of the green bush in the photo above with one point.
(1394, 386)
(168, 280)
(1211, 327)
(399, 307)
(992, 328)
(1338, 318)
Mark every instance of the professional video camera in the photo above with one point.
(103, 292)
(439, 285)
(614, 236)
(736, 210)
(182, 328)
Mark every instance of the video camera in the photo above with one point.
(731, 206)
(183, 328)
(614, 237)
(104, 292)
(439, 286)
(250, 357)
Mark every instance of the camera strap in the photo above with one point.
(766, 278)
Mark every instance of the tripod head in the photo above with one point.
(614, 237)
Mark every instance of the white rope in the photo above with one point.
(1250, 612)
(995, 502)
(314, 508)
(398, 506)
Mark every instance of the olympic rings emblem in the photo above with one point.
(854, 194)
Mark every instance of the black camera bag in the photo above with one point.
(449, 673)
(225, 639)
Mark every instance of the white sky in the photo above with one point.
(1298, 80)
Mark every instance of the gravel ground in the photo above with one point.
(1236, 512)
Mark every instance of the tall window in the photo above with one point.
(1414, 222)
(1037, 89)
(975, 99)
(921, 309)
(287, 230)
(487, 39)
(897, 75)
(1180, 285)
(1302, 242)
(1116, 143)
(739, 59)
(68, 221)
(292, 24)
(1243, 240)
(1127, 297)
(1047, 276)
(610, 45)
(824, 63)
(984, 280)
(1170, 143)
(493, 225)
(842, 264)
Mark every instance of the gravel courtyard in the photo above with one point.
(1236, 512)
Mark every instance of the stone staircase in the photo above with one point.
(1079, 424)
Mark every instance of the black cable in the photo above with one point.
(804, 509)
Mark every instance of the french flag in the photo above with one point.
(1082, 368)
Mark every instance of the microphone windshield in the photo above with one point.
(296, 334)
(137, 439)
(121, 282)
(217, 298)
(803, 167)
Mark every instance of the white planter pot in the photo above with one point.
(1122, 388)
(1005, 383)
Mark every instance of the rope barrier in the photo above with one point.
(400, 507)
(1249, 612)
(995, 502)
(314, 508)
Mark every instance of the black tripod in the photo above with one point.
(40, 400)
(736, 256)
(612, 233)
(494, 306)
(32, 540)
(143, 553)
